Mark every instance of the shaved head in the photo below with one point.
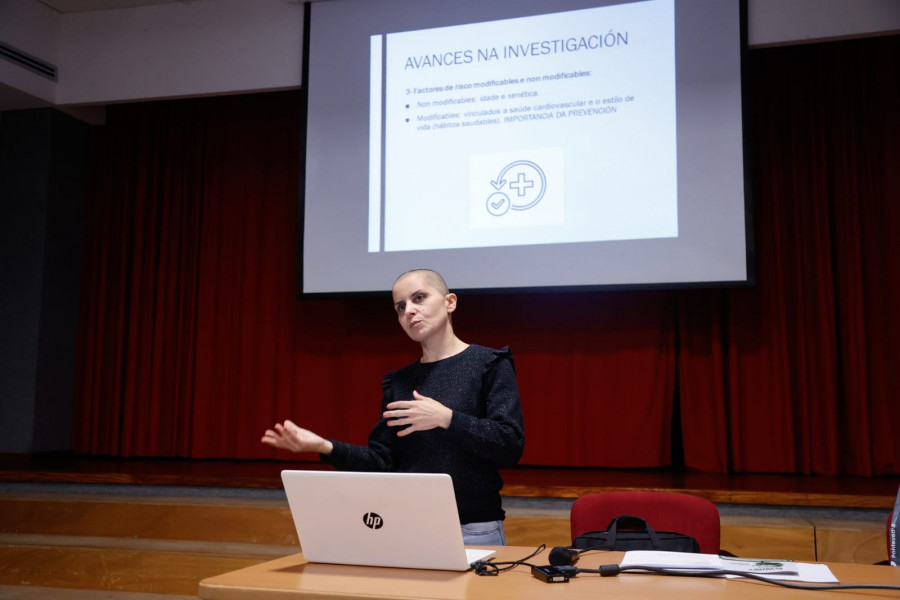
(433, 278)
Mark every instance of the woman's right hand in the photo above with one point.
(289, 436)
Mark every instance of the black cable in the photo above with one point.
(613, 570)
(489, 567)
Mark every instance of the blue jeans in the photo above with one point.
(488, 533)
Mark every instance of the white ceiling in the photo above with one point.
(69, 6)
(14, 99)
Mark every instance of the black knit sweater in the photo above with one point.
(485, 433)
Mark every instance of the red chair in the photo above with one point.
(663, 511)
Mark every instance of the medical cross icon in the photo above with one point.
(527, 185)
(522, 184)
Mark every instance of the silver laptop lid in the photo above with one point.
(377, 519)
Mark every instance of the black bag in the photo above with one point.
(632, 533)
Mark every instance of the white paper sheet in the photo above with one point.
(784, 570)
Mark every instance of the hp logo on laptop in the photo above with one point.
(373, 520)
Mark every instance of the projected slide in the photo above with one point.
(524, 145)
(535, 130)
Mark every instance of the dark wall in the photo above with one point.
(42, 175)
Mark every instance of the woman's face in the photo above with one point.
(421, 309)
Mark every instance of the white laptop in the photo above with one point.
(378, 519)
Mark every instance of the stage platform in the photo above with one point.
(78, 524)
(565, 483)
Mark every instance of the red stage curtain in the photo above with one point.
(192, 341)
(793, 375)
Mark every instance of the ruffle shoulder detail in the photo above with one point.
(503, 353)
(386, 380)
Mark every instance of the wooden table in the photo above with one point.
(292, 577)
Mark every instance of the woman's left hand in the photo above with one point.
(420, 414)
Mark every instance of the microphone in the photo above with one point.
(561, 556)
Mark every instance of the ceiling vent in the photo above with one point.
(27, 61)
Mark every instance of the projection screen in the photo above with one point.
(524, 145)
